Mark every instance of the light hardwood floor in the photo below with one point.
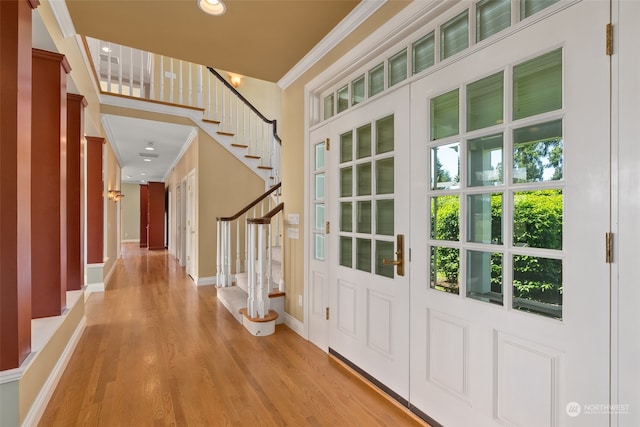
(157, 350)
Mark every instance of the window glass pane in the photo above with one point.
(376, 80)
(363, 179)
(537, 85)
(363, 217)
(538, 152)
(445, 115)
(343, 99)
(320, 155)
(363, 254)
(384, 217)
(537, 219)
(384, 250)
(346, 147)
(328, 106)
(423, 52)
(537, 285)
(484, 219)
(384, 176)
(363, 141)
(346, 251)
(454, 35)
(445, 218)
(320, 186)
(357, 90)
(445, 269)
(492, 16)
(346, 216)
(319, 216)
(484, 276)
(484, 158)
(485, 102)
(397, 68)
(529, 7)
(384, 135)
(318, 252)
(445, 166)
(346, 182)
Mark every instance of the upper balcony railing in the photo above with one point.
(126, 71)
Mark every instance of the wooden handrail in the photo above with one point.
(267, 218)
(247, 103)
(250, 205)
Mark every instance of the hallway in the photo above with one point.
(158, 350)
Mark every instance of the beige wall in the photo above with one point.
(130, 211)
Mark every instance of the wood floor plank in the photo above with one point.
(160, 351)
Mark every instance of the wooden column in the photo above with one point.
(95, 201)
(144, 214)
(75, 191)
(156, 215)
(48, 184)
(15, 182)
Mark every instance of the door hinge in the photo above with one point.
(327, 144)
(327, 228)
(609, 44)
(327, 313)
(609, 248)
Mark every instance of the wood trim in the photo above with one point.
(277, 294)
(94, 200)
(215, 122)
(144, 215)
(267, 218)
(272, 315)
(249, 156)
(53, 56)
(34, 3)
(240, 145)
(156, 215)
(250, 205)
(154, 101)
(265, 168)
(225, 133)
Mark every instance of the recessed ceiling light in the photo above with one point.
(142, 173)
(149, 148)
(106, 49)
(147, 160)
(143, 180)
(129, 176)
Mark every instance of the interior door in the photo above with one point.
(369, 215)
(510, 290)
(191, 238)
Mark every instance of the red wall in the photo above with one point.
(156, 215)
(95, 203)
(144, 214)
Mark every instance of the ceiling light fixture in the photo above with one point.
(149, 146)
(147, 160)
(212, 7)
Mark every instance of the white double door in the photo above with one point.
(462, 354)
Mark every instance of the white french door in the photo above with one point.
(510, 288)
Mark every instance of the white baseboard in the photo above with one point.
(42, 400)
(110, 273)
(203, 281)
(93, 287)
(130, 241)
(294, 324)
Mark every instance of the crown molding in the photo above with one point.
(185, 147)
(61, 13)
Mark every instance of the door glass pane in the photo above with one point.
(363, 179)
(537, 85)
(423, 52)
(320, 186)
(376, 80)
(397, 68)
(484, 158)
(445, 115)
(537, 219)
(384, 135)
(484, 218)
(484, 276)
(385, 217)
(492, 16)
(538, 152)
(357, 90)
(328, 106)
(363, 217)
(485, 102)
(318, 252)
(529, 7)
(343, 98)
(320, 156)
(384, 176)
(346, 147)
(384, 250)
(346, 216)
(363, 255)
(445, 166)
(454, 35)
(445, 218)
(346, 251)
(445, 269)
(537, 285)
(363, 141)
(319, 225)
(346, 182)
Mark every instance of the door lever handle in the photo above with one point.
(399, 262)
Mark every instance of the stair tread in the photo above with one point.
(249, 156)
(225, 133)
(240, 145)
(215, 122)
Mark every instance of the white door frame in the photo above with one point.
(192, 227)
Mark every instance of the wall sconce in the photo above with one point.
(115, 195)
(235, 80)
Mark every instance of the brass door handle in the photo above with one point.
(399, 262)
